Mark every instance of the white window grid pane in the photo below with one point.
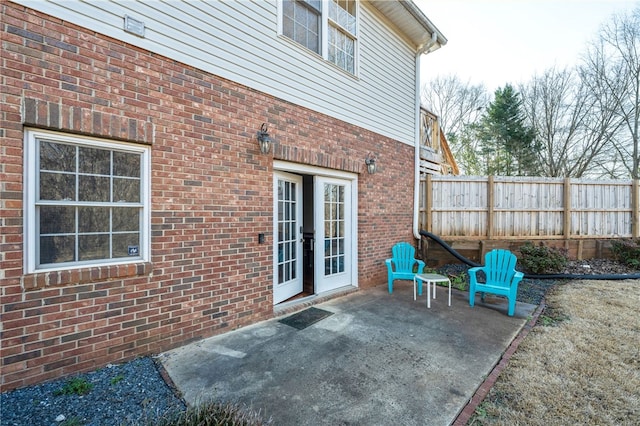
(341, 49)
(77, 203)
(342, 13)
(304, 19)
(301, 22)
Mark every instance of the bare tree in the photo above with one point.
(611, 70)
(572, 131)
(457, 105)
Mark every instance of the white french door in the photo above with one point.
(287, 236)
(333, 238)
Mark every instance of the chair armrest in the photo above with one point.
(421, 266)
(473, 278)
(473, 271)
(517, 277)
(389, 264)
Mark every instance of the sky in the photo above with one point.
(495, 42)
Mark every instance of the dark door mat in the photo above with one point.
(304, 319)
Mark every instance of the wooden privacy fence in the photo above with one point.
(525, 208)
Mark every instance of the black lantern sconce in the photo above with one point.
(370, 161)
(264, 140)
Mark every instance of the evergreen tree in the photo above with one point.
(508, 146)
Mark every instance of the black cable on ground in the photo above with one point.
(471, 263)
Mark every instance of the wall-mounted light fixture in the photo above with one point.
(264, 140)
(370, 161)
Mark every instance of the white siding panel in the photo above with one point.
(387, 72)
(238, 40)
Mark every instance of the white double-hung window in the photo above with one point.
(86, 201)
(327, 27)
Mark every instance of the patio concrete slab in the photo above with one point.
(379, 359)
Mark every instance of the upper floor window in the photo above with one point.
(301, 22)
(86, 201)
(327, 27)
(342, 33)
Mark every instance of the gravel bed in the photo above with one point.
(133, 393)
(529, 290)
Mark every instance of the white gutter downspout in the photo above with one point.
(416, 185)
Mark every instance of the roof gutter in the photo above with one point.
(419, 16)
(423, 50)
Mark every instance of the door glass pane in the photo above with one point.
(287, 232)
(292, 258)
(280, 252)
(334, 230)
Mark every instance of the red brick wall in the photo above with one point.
(211, 196)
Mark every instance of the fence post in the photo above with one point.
(635, 205)
(428, 203)
(490, 199)
(566, 223)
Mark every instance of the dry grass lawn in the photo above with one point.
(580, 365)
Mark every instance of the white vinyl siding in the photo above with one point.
(387, 67)
(238, 40)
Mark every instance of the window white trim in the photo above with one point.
(325, 26)
(31, 172)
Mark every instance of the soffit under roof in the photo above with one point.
(408, 17)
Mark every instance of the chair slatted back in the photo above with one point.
(500, 267)
(403, 257)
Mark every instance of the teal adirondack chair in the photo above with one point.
(501, 277)
(403, 265)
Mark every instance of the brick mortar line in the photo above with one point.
(483, 390)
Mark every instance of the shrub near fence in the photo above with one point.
(507, 211)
